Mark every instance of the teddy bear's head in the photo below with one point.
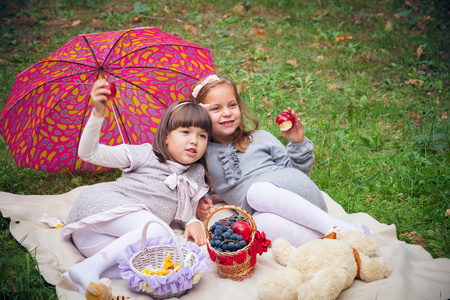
(100, 290)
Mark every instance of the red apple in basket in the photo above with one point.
(285, 120)
(241, 228)
(112, 89)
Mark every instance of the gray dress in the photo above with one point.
(141, 183)
(265, 160)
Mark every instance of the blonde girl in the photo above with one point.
(254, 170)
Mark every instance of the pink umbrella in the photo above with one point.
(49, 104)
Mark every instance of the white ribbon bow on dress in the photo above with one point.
(186, 189)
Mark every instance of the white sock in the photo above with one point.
(275, 226)
(266, 197)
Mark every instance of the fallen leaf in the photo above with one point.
(2, 61)
(333, 86)
(190, 28)
(325, 45)
(268, 115)
(388, 26)
(302, 102)
(419, 51)
(96, 23)
(362, 56)
(343, 37)
(444, 115)
(137, 19)
(76, 23)
(165, 10)
(292, 62)
(207, 6)
(319, 72)
(258, 32)
(184, 11)
(414, 81)
(238, 8)
(319, 58)
(398, 127)
(260, 47)
(226, 16)
(279, 31)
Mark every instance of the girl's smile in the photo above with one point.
(224, 112)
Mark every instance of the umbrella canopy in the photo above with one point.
(49, 103)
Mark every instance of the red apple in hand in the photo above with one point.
(112, 89)
(241, 228)
(285, 120)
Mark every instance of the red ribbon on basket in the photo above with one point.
(259, 246)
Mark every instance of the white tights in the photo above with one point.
(103, 242)
(282, 213)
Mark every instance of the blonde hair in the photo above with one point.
(181, 114)
(242, 135)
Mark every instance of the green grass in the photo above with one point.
(376, 111)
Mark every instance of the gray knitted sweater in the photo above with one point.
(265, 160)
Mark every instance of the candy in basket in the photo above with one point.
(162, 267)
(234, 242)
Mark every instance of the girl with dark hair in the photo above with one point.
(163, 180)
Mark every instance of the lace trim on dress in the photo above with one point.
(230, 164)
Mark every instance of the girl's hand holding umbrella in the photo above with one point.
(101, 92)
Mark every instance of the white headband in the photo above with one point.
(205, 106)
(209, 79)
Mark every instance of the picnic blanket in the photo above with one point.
(415, 274)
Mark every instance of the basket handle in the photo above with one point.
(211, 213)
(172, 235)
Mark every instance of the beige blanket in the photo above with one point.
(415, 275)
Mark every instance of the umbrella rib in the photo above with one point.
(137, 86)
(92, 52)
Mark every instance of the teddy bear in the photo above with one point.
(102, 290)
(323, 268)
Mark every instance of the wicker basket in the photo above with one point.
(153, 256)
(235, 271)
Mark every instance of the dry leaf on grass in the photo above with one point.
(258, 32)
(414, 81)
(388, 26)
(419, 51)
(319, 58)
(292, 62)
(333, 86)
(343, 37)
(238, 8)
(190, 28)
(447, 212)
(165, 10)
(76, 23)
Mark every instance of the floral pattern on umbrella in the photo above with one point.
(49, 103)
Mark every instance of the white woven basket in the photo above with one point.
(153, 257)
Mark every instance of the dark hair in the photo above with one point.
(181, 114)
(241, 137)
